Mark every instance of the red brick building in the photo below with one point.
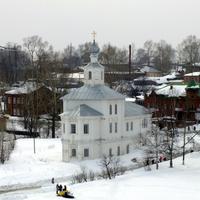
(179, 101)
(192, 76)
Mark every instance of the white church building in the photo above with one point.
(97, 120)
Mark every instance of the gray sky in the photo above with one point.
(119, 22)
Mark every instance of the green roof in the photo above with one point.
(192, 85)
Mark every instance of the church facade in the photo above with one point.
(97, 120)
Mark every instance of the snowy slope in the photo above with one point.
(179, 183)
(26, 169)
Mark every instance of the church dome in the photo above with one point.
(94, 49)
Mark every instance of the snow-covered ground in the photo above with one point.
(25, 167)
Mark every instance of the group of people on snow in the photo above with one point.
(60, 188)
(152, 161)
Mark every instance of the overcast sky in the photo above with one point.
(119, 22)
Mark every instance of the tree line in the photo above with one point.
(36, 57)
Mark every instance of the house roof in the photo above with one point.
(172, 91)
(148, 69)
(192, 85)
(24, 89)
(193, 74)
(133, 109)
(93, 92)
(82, 110)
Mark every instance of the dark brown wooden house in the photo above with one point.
(18, 99)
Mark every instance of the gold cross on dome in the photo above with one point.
(94, 34)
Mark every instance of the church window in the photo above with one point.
(63, 128)
(118, 150)
(127, 148)
(127, 126)
(86, 152)
(144, 123)
(115, 109)
(86, 128)
(90, 75)
(131, 126)
(73, 152)
(110, 152)
(73, 128)
(115, 127)
(110, 109)
(110, 127)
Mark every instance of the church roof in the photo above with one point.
(82, 110)
(93, 92)
(133, 109)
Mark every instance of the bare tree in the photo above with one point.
(164, 56)
(189, 51)
(149, 48)
(111, 167)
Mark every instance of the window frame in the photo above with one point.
(110, 152)
(131, 126)
(127, 126)
(73, 128)
(115, 109)
(116, 127)
(110, 127)
(118, 150)
(90, 75)
(86, 152)
(73, 152)
(86, 128)
(127, 148)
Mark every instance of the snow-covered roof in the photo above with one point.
(193, 74)
(133, 109)
(148, 69)
(96, 92)
(24, 89)
(76, 75)
(160, 80)
(82, 110)
(172, 91)
(129, 99)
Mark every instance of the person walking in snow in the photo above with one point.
(61, 188)
(57, 188)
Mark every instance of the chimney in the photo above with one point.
(129, 62)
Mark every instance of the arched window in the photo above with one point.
(90, 75)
